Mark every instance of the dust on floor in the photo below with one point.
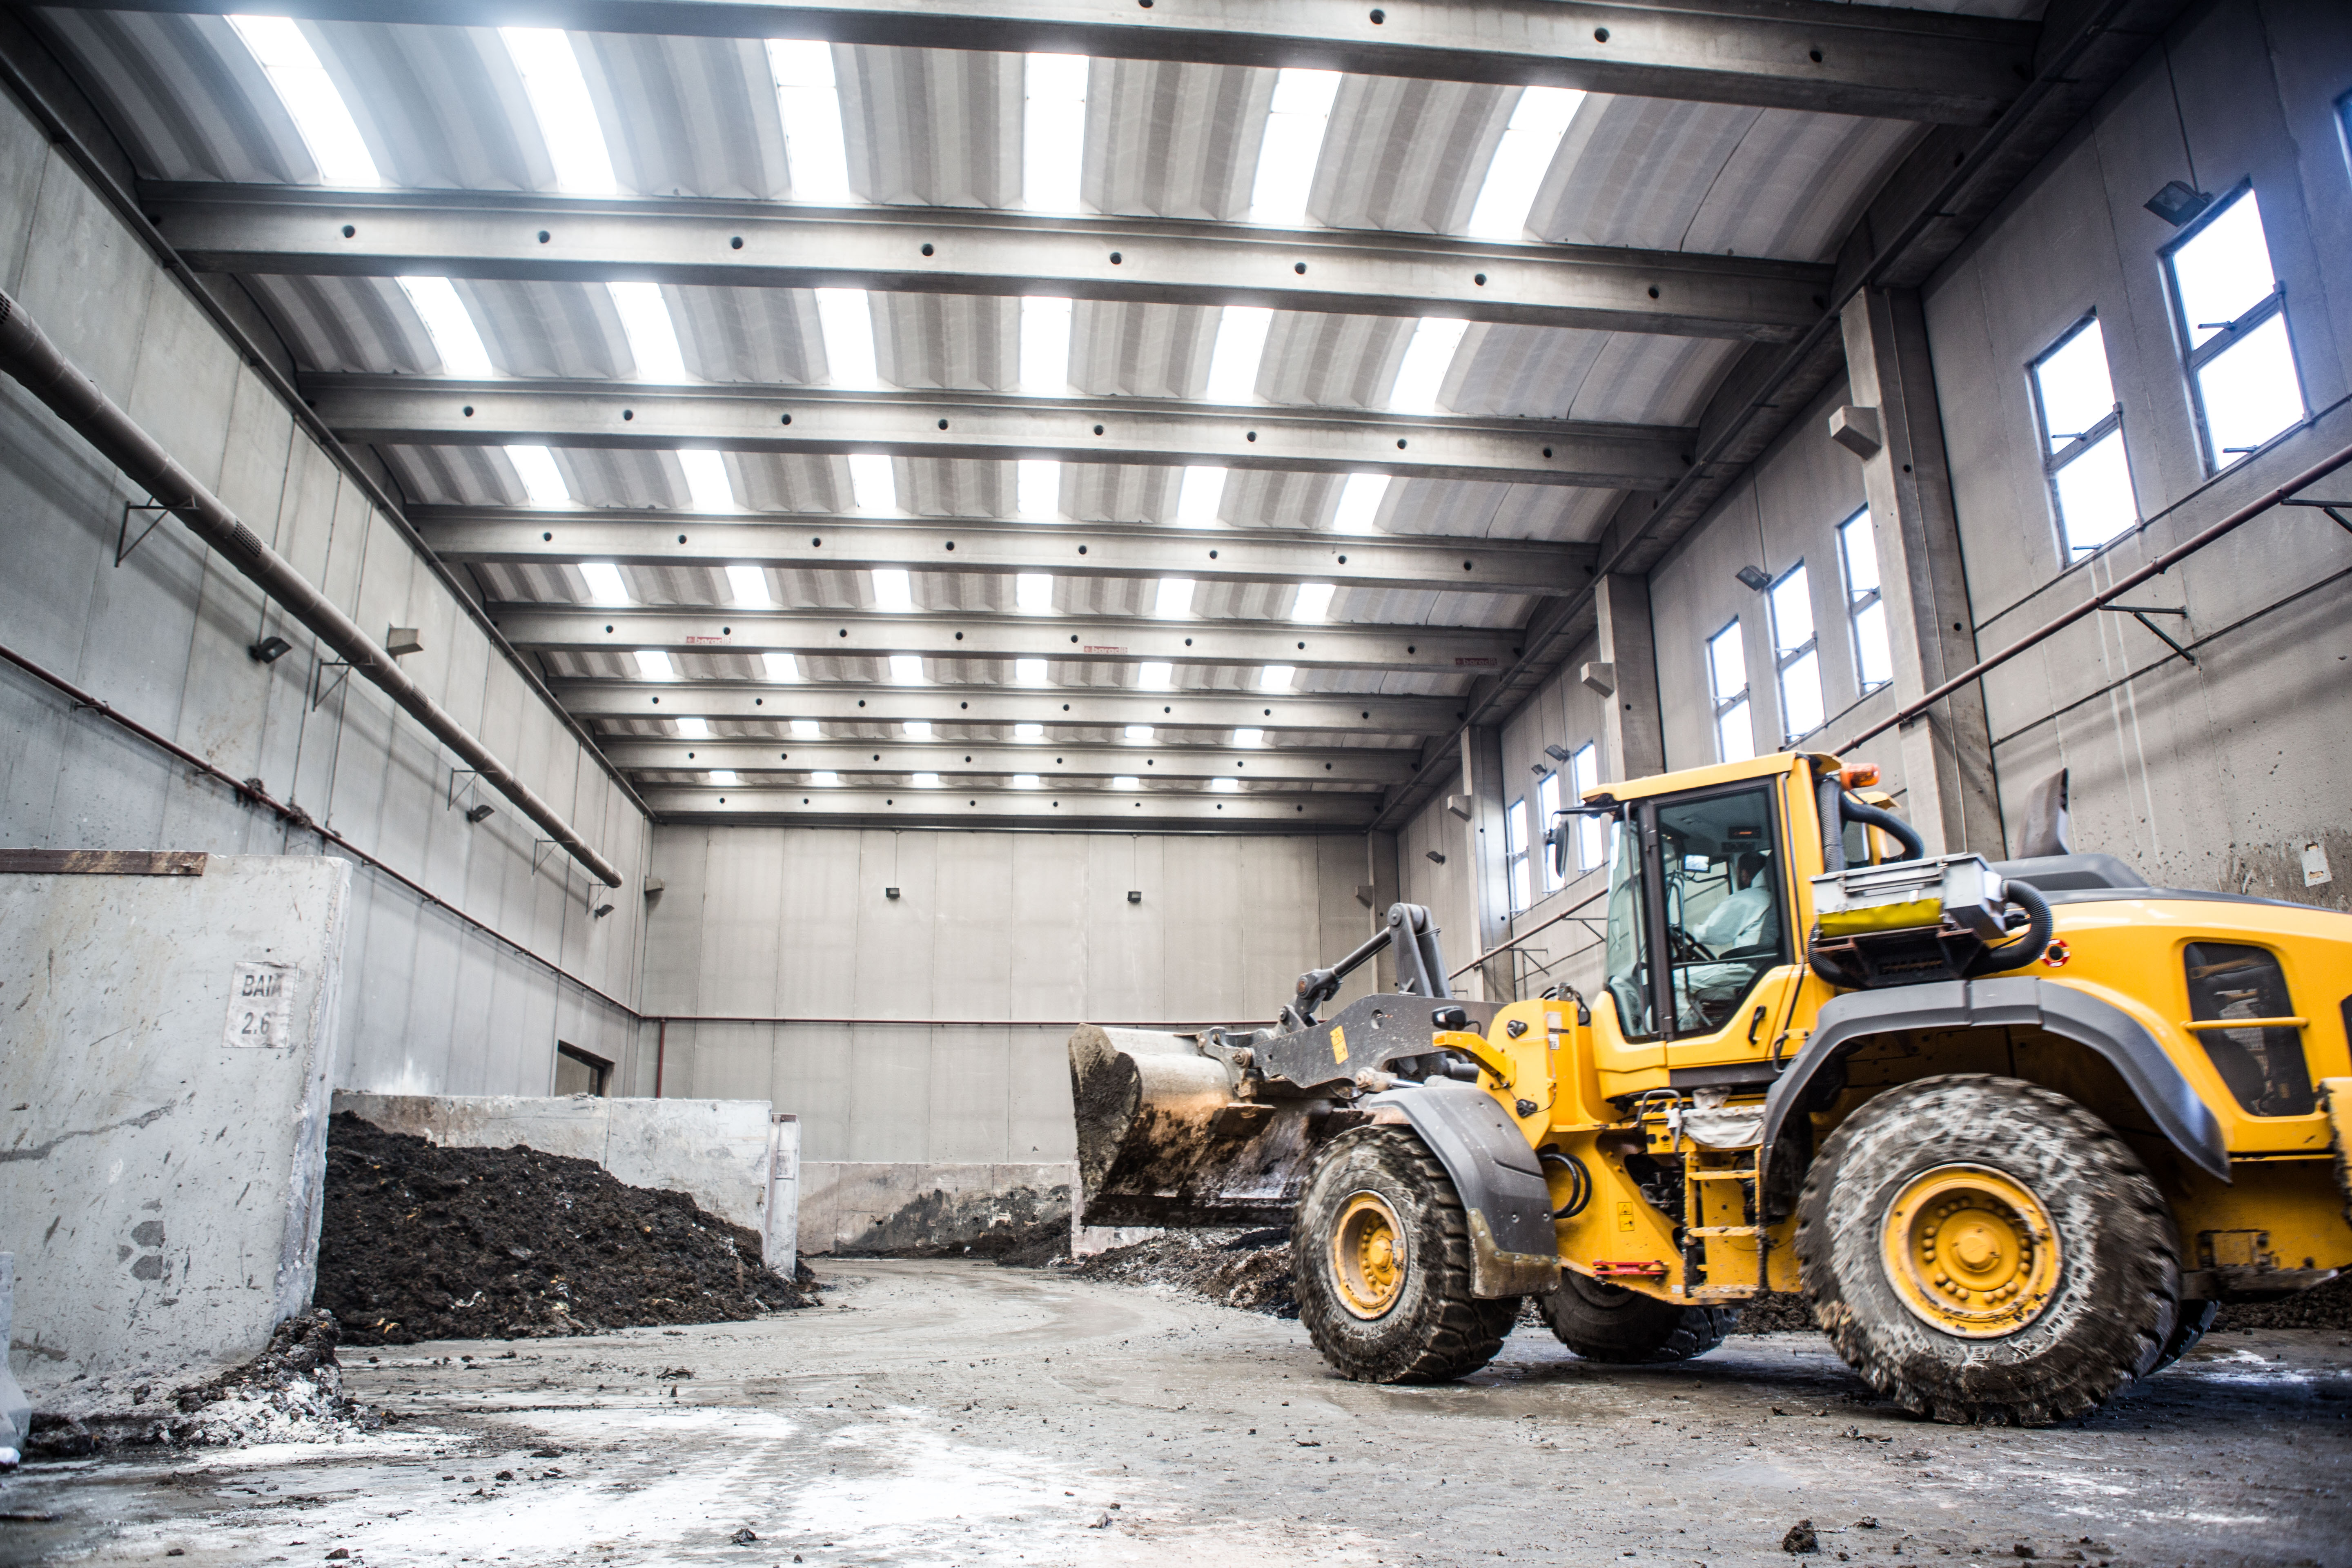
(957, 1413)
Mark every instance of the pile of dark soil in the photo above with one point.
(422, 1242)
(1249, 1268)
(2328, 1307)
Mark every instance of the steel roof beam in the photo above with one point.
(1885, 62)
(420, 411)
(963, 634)
(514, 537)
(1042, 807)
(924, 250)
(871, 702)
(1352, 766)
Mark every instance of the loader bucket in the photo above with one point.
(1163, 1140)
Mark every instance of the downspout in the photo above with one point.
(28, 355)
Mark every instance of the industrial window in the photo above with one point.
(1547, 808)
(1584, 775)
(578, 1071)
(2083, 440)
(1514, 854)
(2261, 1058)
(1866, 608)
(2232, 311)
(1796, 654)
(1726, 673)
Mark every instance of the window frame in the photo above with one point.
(1786, 659)
(1519, 882)
(1859, 602)
(2054, 462)
(1548, 807)
(1591, 843)
(2196, 356)
(1722, 705)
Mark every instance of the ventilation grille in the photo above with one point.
(243, 538)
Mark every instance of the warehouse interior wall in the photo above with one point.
(429, 1003)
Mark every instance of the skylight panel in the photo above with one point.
(316, 109)
(604, 582)
(1155, 675)
(566, 115)
(1249, 737)
(848, 322)
(747, 586)
(541, 481)
(825, 778)
(906, 669)
(1224, 786)
(811, 109)
(1029, 671)
(693, 729)
(926, 781)
(1037, 486)
(1139, 733)
(1172, 599)
(1241, 344)
(1027, 781)
(654, 665)
(1300, 111)
(1314, 602)
(1426, 360)
(782, 667)
(450, 325)
(1197, 499)
(1029, 732)
(653, 336)
(1360, 502)
(873, 482)
(1521, 159)
(1032, 593)
(1044, 346)
(894, 591)
(707, 484)
(917, 728)
(807, 729)
(1276, 677)
(1053, 132)
(724, 777)
(1125, 780)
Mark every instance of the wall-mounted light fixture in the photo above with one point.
(269, 651)
(1755, 577)
(603, 910)
(1435, 858)
(889, 892)
(1557, 754)
(2178, 203)
(1135, 895)
(479, 814)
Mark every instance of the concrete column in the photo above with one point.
(1383, 887)
(1482, 788)
(1895, 426)
(1633, 743)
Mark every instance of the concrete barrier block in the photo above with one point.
(163, 1101)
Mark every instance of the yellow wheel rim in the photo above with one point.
(1971, 1252)
(1367, 1255)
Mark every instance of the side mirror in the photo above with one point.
(1556, 835)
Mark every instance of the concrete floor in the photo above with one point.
(947, 1413)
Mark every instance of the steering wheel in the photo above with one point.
(1687, 949)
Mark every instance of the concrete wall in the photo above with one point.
(429, 1004)
(2215, 776)
(162, 1150)
(998, 944)
(716, 1152)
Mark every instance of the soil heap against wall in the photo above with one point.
(422, 1242)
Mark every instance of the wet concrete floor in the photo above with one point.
(955, 1412)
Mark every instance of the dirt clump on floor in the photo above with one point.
(1250, 1269)
(2328, 1306)
(423, 1242)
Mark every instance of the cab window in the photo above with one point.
(1724, 925)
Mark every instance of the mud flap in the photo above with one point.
(1513, 1251)
(1164, 1140)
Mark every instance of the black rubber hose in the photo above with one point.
(1853, 808)
(2025, 949)
(1580, 1183)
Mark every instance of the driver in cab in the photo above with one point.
(1746, 921)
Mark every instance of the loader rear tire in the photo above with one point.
(1983, 1249)
(1605, 1323)
(1382, 1254)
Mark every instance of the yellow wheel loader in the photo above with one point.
(2015, 1129)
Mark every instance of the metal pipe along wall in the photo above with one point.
(28, 355)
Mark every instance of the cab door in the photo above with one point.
(1722, 920)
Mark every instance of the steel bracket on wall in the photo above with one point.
(2140, 613)
(123, 543)
(2335, 509)
(320, 686)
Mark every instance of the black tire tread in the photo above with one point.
(1656, 1330)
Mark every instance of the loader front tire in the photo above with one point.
(1983, 1249)
(1605, 1323)
(1383, 1253)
